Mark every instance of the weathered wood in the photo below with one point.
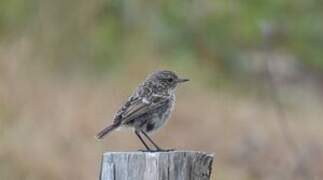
(176, 165)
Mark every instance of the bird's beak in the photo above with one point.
(182, 80)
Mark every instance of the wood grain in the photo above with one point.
(176, 165)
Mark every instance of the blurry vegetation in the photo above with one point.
(67, 65)
(211, 33)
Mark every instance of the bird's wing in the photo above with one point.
(141, 105)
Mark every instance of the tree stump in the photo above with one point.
(174, 165)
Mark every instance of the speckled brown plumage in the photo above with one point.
(149, 107)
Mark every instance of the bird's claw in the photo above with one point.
(156, 150)
(165, 150)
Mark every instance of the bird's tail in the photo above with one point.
(105, 131)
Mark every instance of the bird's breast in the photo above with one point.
(161, 116)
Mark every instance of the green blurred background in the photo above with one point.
(254, 99)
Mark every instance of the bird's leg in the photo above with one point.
(152, 142)
(143, 142)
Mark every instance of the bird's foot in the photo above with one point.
(156, 150)
(146, 150)
(164, 150)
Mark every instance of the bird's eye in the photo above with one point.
(170, 80)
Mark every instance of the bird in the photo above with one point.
(148, 108)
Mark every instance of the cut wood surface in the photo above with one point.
(174, 165)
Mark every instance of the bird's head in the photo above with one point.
(166, 79)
